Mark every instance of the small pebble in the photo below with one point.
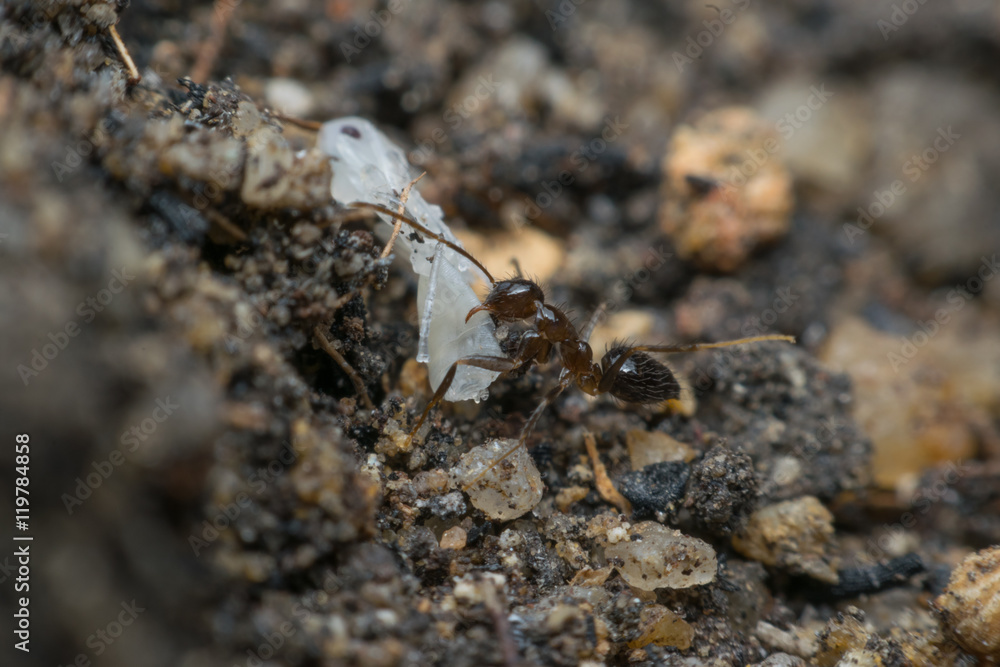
(726, 190)
(289, 97)
(662, 627)
(796, 534)
(647, 447)
(657, 557)
(454, 538)
(509, 489)
(970, 605)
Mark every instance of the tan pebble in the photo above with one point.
(662, 627)
(591, 577)
(478, 588)
(569, 495)
(413, 378)
(919, 410)
(718, 227)
(561, 616)
(248, 416)
(617, 534)
(844, 632)
(431, 482)
(795, 534)
(606, 523)
(648, 447)
(970, 606)
(572, 553)
(655, 556)
(861, 658)
(794, 640)
(268, 158)
(394, 440)
(531, 247)
(289, 96)
(454, 538)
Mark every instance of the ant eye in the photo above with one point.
(641, 378)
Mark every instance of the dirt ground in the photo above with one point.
(207, 485)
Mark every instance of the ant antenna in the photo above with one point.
(426, 232)
(612, 371)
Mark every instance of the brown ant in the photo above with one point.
(627, 372)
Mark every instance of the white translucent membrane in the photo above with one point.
(367, 167)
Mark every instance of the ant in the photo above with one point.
(627, 372)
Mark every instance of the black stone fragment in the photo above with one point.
(857, 581)
(656, 488)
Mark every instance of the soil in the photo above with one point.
(208, 485)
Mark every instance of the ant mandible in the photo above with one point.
(627, 372)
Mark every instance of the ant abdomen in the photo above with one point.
(640, 378)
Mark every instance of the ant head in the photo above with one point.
(640, 378)
(511, 300)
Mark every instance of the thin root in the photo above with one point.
(508, 649)
(359, 386)
(225, 224)
(222, 11)
(311, 125)
(133, 73)
(402, 211)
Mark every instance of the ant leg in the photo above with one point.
(426, 232)
(359, 385)
(592, 323)
(565, 380)
(517, 267)
(500, 364)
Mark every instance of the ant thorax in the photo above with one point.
(368, 167)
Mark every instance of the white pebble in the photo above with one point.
(655, 556)
(508, 490)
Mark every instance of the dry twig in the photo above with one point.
(222, 12)
(359, 385)
(399, 223)
(133, 73)
(604, 485)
